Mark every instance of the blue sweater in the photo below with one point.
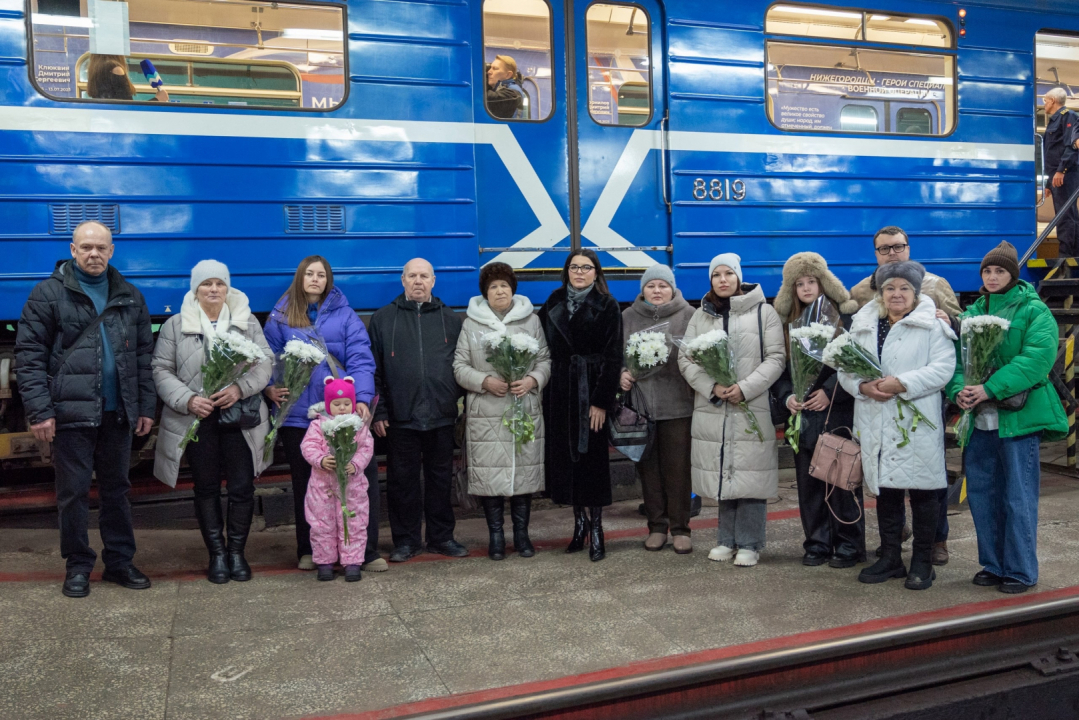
(97, 288)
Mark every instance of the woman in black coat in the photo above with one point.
(583, 325)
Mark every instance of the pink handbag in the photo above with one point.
(837, 461)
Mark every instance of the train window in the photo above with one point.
(824, 88)
(518, 70)
(226, 52)
(839, 24)
(619, 64)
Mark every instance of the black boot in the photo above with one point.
(240, 514)
(520, 512)
(496, 546)
(890, 521)
(208, 513)
(924, 508)
(580, 530)
(596, 549)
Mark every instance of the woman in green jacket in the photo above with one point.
(1002, 462)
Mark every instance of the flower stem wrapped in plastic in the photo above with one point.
(979, 338)
(713, 352)
(228, 358)
(847, 356)
(292, 371)
(807, 361)
(512, 356)
(340, 432)
(647, 351)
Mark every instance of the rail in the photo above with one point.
(1048, 228)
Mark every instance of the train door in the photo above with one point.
(1056, 65)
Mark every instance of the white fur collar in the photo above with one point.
(239, 312)
(481, 312)
(315, 410)
(923, 316)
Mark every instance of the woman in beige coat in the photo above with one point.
(495, 469)
(212, 308)
(729, 463)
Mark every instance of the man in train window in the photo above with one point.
(83, 351)
(1062, 178)
(504, 92)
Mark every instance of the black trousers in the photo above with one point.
(924, 507)
(374, 502)
(291, 438)
(77, 454)
(1068, 227)
(824, 534)
(411, 450)
(221, 450)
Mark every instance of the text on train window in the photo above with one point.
(517, 69)
(823, 88)
(619, 64)
(868, 26)
(224, 53)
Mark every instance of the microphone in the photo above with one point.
(150, 72)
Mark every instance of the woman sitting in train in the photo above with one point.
(234, 421)
(1014, 411)
(107, 79)
(496, 468)
(917, 356)
(834, 526)
(732, 461)
(314, 310)
(504, 92)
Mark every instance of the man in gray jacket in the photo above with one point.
(83, 352)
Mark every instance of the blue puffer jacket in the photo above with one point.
(346, 339)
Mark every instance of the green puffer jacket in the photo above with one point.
(1028, 353)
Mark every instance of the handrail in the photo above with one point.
(1048, 228)
(664, 128)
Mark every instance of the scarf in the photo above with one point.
(575, 297)
(223, 321)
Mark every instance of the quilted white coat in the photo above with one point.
(727, 462)
(920, 352)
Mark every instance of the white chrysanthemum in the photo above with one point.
(834, 348)
(337, 422)
(524, 343)
(814, 332)
(650, 349)
(707, 340)
(242, 346)
(980, 323)
(493, 339)
(304, 352)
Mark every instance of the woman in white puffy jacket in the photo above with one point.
(917, 354)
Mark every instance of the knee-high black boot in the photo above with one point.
(890, 519)
(240, 514)
(208, 513)
(596, 549)
(924, 510)
(492, 509)
(520, 512)
(580, 530)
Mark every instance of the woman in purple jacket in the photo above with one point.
(313, 307)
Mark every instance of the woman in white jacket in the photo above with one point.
(917, 354)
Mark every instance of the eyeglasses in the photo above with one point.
(892, 249)
(581, 268)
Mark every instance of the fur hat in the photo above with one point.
(909, 270)
(658, 271)
(810, 263)
(497, 271)
(340, 388)
(731, 260)
(206, 269)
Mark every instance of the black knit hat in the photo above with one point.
(908, 270)
(1005, 256)
(497, 271)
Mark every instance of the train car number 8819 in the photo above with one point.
(716, 189)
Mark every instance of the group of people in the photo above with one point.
(90, 375)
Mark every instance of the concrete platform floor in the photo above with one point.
(435, 631)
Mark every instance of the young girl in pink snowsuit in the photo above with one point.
(323, 505)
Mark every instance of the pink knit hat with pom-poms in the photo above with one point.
(340, 388)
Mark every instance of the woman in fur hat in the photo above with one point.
(834, 528)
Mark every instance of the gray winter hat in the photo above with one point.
(659, 271)
(909, 270)
(206, 269)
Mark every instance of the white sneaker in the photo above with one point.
(721, 553)
(746, 558)
(306, 563)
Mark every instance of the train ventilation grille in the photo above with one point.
(65, 218)
(314, 218)
(191, 48)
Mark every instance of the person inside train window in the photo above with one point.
(505, 96)
(107, 79)
(1061, 167)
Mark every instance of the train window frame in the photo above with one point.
(651, 66)
(945, 22)
(346, 93)
(554, 66)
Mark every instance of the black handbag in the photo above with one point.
(776, 407)
(245, 414)
(631, 428)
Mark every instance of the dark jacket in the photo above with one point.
(414, 345)
(504, 100)
(55, 314)
(666, 392)
(1058, 144)
(586, 361)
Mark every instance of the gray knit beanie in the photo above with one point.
(206, 269)
(909, 270)
(659, 271)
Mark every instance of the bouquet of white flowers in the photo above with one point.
(979, 337)
(712, 351)
(648, 350)
(512, 356)
(340, 432)
(807, 351)
(292, 371)
(228, 358)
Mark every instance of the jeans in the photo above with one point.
(409, 502)
(300, 469)
(1003, 482)
(77, 454)
(742, 523)
(665, 478)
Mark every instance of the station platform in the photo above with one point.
(434, 633)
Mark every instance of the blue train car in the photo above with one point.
(653, 131)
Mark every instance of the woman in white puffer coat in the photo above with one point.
(917, 355)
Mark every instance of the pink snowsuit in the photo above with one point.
(322, 505)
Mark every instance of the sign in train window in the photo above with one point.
(822, 88)
(224, 53)
(619, 65)
(517, 69)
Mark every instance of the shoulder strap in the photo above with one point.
(760, 329)
(831, 402)
(78, 341)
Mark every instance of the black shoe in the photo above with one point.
(521, 513)
(1011, 586)
(403, 553)
(239, 570)
(76, 584)
(695, 504)
(449, 548)
(921, 576)
(208, 513)
(240, 514)
(218, 572)
(325, 573)
(984, 578)
(888, 567)
(596, 548)
(352, 573)
(580, 530)
(813, 559)
(128, 577)
(840, 563)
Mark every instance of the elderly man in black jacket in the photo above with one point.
(83, 354)
(414, 339)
